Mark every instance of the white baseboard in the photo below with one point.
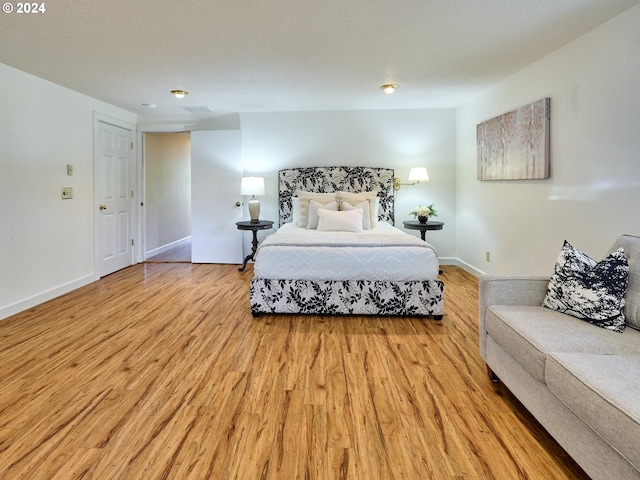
(30, 302)
(168, 246)
(459, 263)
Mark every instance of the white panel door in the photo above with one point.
(114, 183)
(216, 171)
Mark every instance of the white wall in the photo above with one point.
(167, 178)
(398, 139)
(594, 190)
(46, 243)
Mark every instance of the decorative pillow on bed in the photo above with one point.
(303, 199)
(344, 221)
(376, 212)
(590, 290)
(355, 198)
(295, 210)
(366, 217)
(313, 211)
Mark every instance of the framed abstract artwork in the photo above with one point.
(515, 145)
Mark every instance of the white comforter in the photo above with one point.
(384, 253)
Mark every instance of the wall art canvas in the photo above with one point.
(515, 146)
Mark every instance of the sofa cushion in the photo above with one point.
(603, 391)
(590, 290)
(631, 245)
(529, 333)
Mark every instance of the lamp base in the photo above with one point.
(254, 210)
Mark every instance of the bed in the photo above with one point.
(337, 252)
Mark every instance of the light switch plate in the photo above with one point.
(69, 169)
(67, 193)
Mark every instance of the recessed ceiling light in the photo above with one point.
(389, 88)
(179, 93)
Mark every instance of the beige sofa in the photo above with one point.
(580, 381)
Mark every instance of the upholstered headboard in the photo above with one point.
(335, 179)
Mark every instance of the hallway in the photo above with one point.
(178, 254)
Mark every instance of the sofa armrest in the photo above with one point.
(508, 290)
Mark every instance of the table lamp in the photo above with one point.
(253, 186)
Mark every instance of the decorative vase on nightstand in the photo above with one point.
(423, 213)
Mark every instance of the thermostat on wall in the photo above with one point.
(67, 192)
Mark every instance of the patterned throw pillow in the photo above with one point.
(590, 290)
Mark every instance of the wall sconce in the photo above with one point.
(253, 186)
(416, 175)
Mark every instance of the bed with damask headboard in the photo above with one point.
(337, 251)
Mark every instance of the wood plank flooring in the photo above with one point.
(159, 371)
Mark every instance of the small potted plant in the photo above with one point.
(423, 213)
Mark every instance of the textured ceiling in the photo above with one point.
(290, 55)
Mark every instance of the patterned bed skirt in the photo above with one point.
(348, 297)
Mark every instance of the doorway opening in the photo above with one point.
(167, 194)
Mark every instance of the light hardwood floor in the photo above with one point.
(160, 371)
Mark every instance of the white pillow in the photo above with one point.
(366, 217)
(376, 213)
(304, 197)
(345, 221)
(313, 211)
(295, 210)
(355, 198)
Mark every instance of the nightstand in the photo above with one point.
(423, 227)
(254, 227)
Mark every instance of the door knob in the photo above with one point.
(238, 204)
(103, 207)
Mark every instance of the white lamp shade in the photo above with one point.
(252, 186)
(418, 174)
